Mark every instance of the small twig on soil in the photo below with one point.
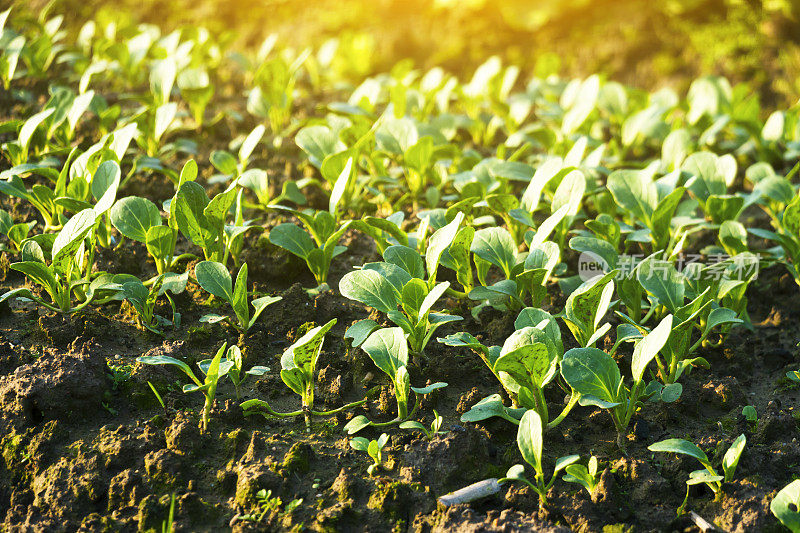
(473, 492)
(702, 523)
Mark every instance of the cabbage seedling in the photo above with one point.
(787, 236)
(319, 247)
(143, 299)
(62, 278)
(214, 370)
(586, 307)
(595, 376)
(10, 58)
(429, 433)
(397, 287)
(707, 474)
(298, 372)
(216, 279)
(373, 447)
(524, 273)
(526, 363)
(203, 221)
(388, 349)
(197, 89)
(650, 205)
(531, 444)
(668, 287)
(237, 372)
(227, 164)
(583, 475)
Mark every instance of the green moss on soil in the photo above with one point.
(297, 459)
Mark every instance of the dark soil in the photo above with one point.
(87, 446)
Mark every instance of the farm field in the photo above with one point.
(254, 286)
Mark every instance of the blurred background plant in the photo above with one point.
(644, 44)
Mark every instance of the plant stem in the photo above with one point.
(556, 421)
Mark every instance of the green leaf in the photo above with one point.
(370, 288)
(105, 183)
(671, 392)
(703, 476)
(294, 378)
(646, 349)
(259, 304)
(786, 506)
(388, 349)
(21, 292)
(680, 446)
(731, 459)
(413, 424)
(463, 339)
(165, 114)
(459, 253)
(406, 258)
(134, 216)
(439, 242)
(360, 330)
(634, 191)
(525, 358)
(492, 406)
(724, 207)
(540, 319)
(432, 297)
(159, 241)
(733, 237)
(708, 176)
(599, 250)
(31, 125)
(395, 275)
(357, 424)
(516, 472)
(318, 142)
(239, 298)
(496, 246)
(251, 141)
(166, 360)
(594, 375)
(587, 305)
(429, 388)
(664, 212)
(189, 205)
(303, 353)
(565, 462)
(419, 156)
(569, 193)
(215, 371)
(218, 207)
(662, 280)
(72, 234)
(395, 136)
(292, 238)
(188, 172)
(548, 170)
(584, 103)
(719, 316)
(414, 293)
(214, 278)
(340, 187)
(224, 162)
(529, 439)
(39, 273)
